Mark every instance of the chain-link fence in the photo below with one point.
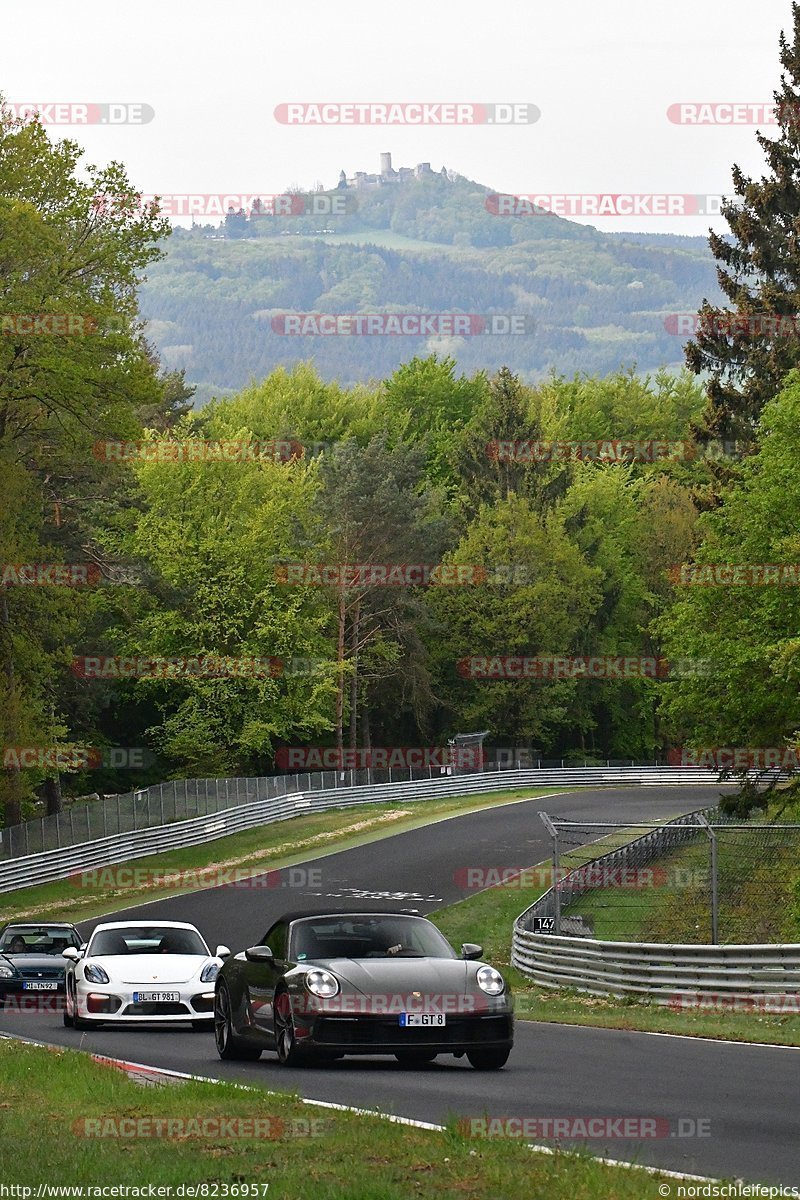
(702, 878)
(182, 799)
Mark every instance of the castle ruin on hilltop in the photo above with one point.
(388, 175)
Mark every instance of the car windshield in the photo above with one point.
(147, 939)
(37, 939)
(367, 937)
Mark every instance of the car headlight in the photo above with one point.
(490, 981)
(6, 971)
(95, 973)
(209, 973)
(321, 983)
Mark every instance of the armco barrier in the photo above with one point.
(664, 974)
(120, 847)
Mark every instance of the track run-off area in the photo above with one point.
(743, 1098)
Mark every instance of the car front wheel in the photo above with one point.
(229, 1046)
(488, 1059)
(289, 1053)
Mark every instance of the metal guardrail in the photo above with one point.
(121, 846)
(182, 799)
(665, 974)
(677, 975)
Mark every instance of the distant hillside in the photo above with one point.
(594, 300)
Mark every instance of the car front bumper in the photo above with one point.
(385, 1035)
(114, 1003)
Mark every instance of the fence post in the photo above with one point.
(551, 829)
(714, 889)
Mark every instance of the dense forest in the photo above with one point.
(360, 551)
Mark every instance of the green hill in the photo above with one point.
(594, 300)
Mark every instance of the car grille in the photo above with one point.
(156, 1008)
(370, 1031)
(42, 973)
(201, 1003)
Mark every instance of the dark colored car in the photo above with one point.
(322, 985)
(30, 957)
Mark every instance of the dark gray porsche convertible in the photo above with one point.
(322, 985)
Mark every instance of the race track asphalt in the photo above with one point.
(743, 1098)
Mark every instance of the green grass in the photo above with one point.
(51, 1099)
(252, 851)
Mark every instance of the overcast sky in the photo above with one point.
(603, 76)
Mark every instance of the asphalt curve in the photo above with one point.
(743, 1099)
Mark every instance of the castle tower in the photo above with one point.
(386, 165)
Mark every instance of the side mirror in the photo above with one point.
(259, 954)
(82, 947)
(471, 950)
(71, 953)
(222, 952)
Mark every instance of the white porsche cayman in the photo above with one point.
(134, 971)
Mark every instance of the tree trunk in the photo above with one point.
(13, 779)
(340, 679)
(354, 635)
(52, 795)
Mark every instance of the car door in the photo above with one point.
(262, 978)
